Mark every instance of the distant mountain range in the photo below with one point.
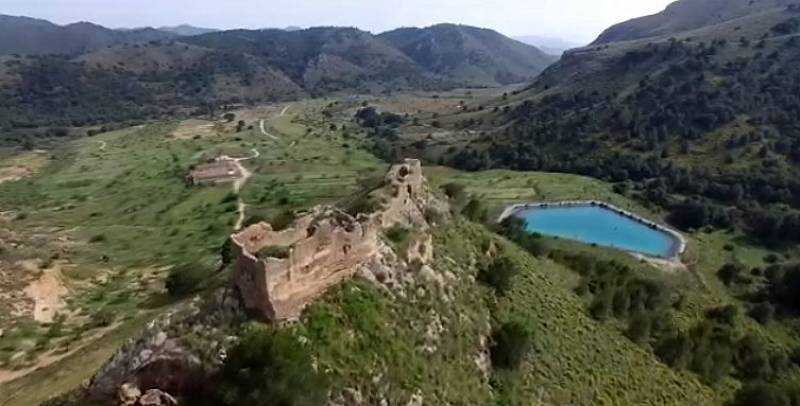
(550, 45)
(103, 74)
(185, 30)
(23, 35)
(461, 52)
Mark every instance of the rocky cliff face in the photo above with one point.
(167, 356)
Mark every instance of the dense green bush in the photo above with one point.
(510, 344)
(282, 220)
(398, 234)
(762, 394)
(513, 228)
(499, 274)
(271, 368)
(454, 191)
(475, 211)
(186, 278)
(763, 312)
(274, 252)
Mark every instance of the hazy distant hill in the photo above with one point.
(23, 35)
(185, 30)
(686, 15)
(147, 79)
(470, 54)
(549, 45)
(322, 59)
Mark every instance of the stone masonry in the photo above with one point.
(279, 273)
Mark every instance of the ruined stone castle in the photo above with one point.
(278, 273)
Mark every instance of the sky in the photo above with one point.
(578, 21)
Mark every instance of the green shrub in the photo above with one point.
(253, 219)
(729, 273)
(639, 328)
(229, 197)
(274, 252)
(398, 234)
(513, 228)
(761, 394)
(271, 368)
(499, 274)
(185, 279)
(97, 238)
(510, 343)
(454, 191)
(361, 204)
(433, 216)
(474, 211)
(101, 318)
(283, 220)
(763, 312)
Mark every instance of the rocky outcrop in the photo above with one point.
(279, 273)
(408, 198)
(130, 395)
(176, 354)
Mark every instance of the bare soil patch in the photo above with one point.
(47, 293)
(194, 128)
(21, 166)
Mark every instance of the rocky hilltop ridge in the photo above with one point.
(276, 275)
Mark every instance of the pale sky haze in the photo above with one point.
(578, 21)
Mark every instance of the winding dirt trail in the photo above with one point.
(264, 131)
(240, 182)
(262, 123)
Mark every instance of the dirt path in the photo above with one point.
(239, 183)
(262, 123)
(264, 131)
(240, 216)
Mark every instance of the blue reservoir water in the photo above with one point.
(601, 226)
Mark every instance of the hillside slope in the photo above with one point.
(321, 59)
(133, 82)
(684, 15)
(702, 122)
(23, 35)
(470, 54)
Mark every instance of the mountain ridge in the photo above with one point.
(685, 15)
(483, 54)
(29, 36)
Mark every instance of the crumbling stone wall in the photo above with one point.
(408, 196)
(324, 247)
